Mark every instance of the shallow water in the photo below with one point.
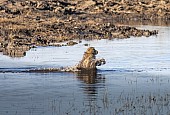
(135, 79)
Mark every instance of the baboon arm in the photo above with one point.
(100, 62)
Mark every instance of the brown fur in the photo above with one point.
(89, 60)
(87, 64)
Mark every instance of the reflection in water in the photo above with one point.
(138, 82)
(105, 93)
(90, 77)
(91, 81)
(91, 85)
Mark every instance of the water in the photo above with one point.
(135, 79)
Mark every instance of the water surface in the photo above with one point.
(135, 79)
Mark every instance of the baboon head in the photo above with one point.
(91, 50)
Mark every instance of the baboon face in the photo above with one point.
(91, 50)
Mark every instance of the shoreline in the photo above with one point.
(27, 24)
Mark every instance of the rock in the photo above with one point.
(43, 5)
(86, 44)
(146, 33)
(85, 4)
(1, 47)
(71, 43)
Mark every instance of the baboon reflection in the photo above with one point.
(91, 82)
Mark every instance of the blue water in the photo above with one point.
(135, 79)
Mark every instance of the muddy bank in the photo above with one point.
(30, 23)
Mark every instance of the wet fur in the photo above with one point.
(88, 63)
(89, 60)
